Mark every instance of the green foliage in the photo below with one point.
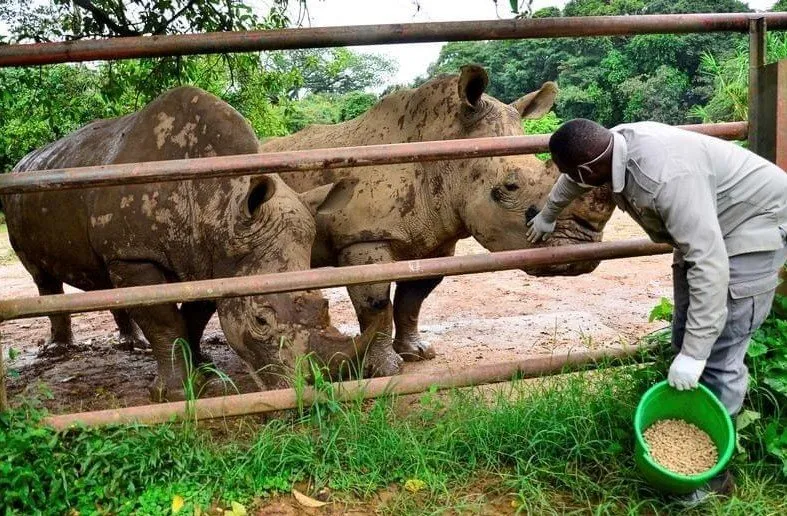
(730, 80)
(662, 311)
(76, 19)
(544, 125)
(558, 444)
(610, 80)
(767, 359)
(331, 70)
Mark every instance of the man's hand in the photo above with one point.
(540, 228)
(685, 372)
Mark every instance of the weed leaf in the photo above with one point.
(177, 504)
(414, 485)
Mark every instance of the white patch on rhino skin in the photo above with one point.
(164, 216)
(195, 99)
(101, 220)
(209, 151)
(163, 129)
(149, 203)
(126, 201)
(186, 136)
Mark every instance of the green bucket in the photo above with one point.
(699, 407)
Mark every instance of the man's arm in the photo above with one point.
(687, 208)
(563, 192)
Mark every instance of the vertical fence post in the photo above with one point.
(757, 53)
(3, 395)
(772, 121)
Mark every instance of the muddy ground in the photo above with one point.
(470, 320)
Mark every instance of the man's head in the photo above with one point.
(582, 149)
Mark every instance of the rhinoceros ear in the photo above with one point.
(537, 103)
(261, 189)
(473, 81)
(329, 198)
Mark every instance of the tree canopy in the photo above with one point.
(611, 80)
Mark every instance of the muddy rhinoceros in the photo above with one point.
(120, 236)
(413, 211)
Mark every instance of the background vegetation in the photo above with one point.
(669, 78)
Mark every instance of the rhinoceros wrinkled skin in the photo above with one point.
(120, 236)
(414, 211)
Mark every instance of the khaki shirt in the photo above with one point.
(708, 198)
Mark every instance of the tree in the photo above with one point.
(331, 70)
(730, 80)
(77, 19)
(592, 72)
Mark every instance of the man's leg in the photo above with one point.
(753, 279)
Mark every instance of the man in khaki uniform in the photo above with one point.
(723, 209)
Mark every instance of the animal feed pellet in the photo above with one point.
(681, 447)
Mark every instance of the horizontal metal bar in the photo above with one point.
(321, 278)
(294, 161)
(223, 42)
(283, 399)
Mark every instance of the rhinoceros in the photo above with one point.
(414, 211)
(121, 236)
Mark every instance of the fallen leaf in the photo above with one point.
(177, 504)
(307, 501)
(238, 509)
(414, 485)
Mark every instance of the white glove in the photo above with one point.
(685, 372)
(540, 228)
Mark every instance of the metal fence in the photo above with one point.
(123, 48)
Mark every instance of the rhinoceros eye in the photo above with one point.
(511, 187)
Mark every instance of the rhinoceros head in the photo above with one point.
(495, 197)
(271, 230)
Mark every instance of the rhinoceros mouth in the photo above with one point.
(573, 231)
(570, 232)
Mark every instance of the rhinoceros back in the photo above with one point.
(72, 234)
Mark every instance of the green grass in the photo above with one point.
(552, 446)
(7, 254)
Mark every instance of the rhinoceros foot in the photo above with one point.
(56, 348)
(382, 360)
(175, 389)
(413, 349)
(131, 341)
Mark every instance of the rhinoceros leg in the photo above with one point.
(61, 337)
(162, 326)
(197, 314)
(129, 334)
(373, 307)
(407, 305)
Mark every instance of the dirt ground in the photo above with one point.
(473, 319)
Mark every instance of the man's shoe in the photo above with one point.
(722, 484)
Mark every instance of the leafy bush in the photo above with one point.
(767, 359)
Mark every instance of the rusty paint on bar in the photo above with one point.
(283, 399)
(317, 37)
(294, 161)
(131, 297)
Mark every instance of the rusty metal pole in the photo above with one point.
(3, 392)
(757, 54)
(135, 297)
(283, 399)
(319, 37)
(296, 161)
(772, 123)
